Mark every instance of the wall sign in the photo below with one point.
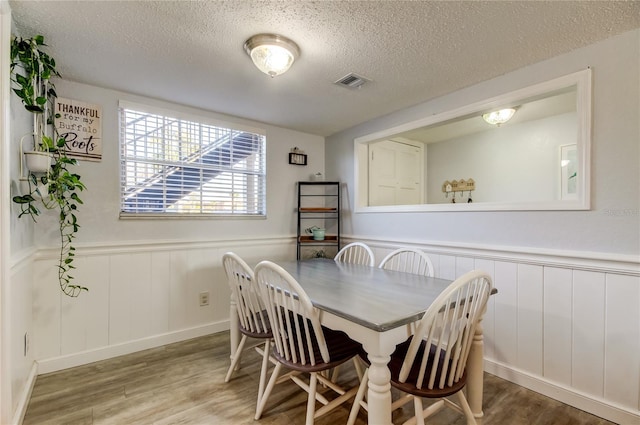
(80, 124)
(297, 157)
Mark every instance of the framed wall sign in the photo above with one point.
(80, 124)
(297, 158)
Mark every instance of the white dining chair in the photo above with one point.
(408, 260)
(301, 344)
(356, 253)
(253, 319)
(431, 363)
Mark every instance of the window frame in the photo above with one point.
(191, 118)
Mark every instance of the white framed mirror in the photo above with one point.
(539, 159)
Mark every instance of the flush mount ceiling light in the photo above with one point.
(273, 54)
(499, 117)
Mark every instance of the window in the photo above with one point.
(185, 167)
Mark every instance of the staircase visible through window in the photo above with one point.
(173, 166)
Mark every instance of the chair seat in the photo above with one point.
(341, 349)
(261, 324)
(395, 364)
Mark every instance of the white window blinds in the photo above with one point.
(176, 166)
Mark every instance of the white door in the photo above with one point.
(395, 173)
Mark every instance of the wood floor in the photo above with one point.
(183, 383)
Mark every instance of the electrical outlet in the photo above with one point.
(26, 343)
(204, 298)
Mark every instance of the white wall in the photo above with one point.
(18, 370)
(143, 275)
(612, 225)
(565, 320)
(99, 214)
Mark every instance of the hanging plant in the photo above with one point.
(58, 188)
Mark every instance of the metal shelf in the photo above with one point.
(319, 201)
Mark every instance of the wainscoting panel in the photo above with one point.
(558, 290)
(129, 297)
(530, 309)
(18, 364)
(85, 324)
(622, 358)
(506, 314)
(488, 323)
(160, 292)
(47, 310)
(588, 332)
(140, 296)
(563, 324)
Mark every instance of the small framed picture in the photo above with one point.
(297, 158)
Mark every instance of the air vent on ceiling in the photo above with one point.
(352, 81)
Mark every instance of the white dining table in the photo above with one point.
(374, 306)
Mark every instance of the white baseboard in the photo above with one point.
(25, 396)
(102, 353)
(588, 403)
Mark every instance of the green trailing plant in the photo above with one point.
(31, 71)
(58, 188)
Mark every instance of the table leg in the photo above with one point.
(379, 345)
(475, 377)
(379, 393)
(234, 332)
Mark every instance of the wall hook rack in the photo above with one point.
(452, 186)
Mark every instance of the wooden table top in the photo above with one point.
(374, 298)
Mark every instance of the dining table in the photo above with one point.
(375, 307)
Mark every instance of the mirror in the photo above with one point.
(457, 161)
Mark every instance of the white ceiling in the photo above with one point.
(190, 52)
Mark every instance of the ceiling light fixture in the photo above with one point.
(273, 54)
(499, 117)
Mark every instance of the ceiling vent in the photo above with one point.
(352, 81)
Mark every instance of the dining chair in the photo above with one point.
(253, 320)
(301, 344)
(431, 363)
(408, 260)
(356, 253)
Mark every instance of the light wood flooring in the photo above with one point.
(183, 383)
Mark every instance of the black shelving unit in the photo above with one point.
(318, 205)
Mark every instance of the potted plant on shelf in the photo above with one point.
(55, 187)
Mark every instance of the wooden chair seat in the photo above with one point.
(395, 365)
(409, 386)
(341, 348)
(263, 329)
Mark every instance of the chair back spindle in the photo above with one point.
(408, 260)
(356, 253)
(251, 311)
(295, 323)
(442, 340)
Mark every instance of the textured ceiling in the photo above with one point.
(190, 52)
